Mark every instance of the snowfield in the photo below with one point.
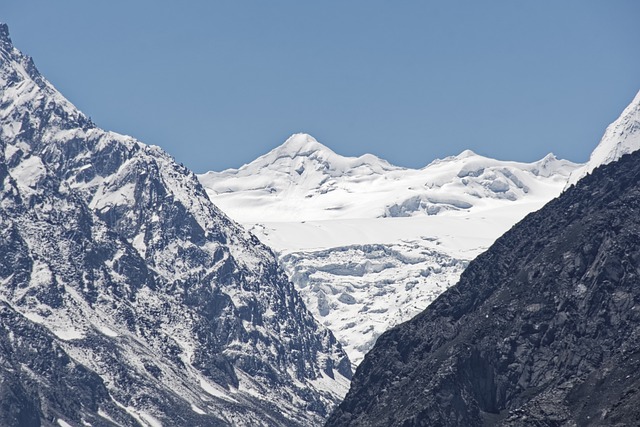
(369, 244)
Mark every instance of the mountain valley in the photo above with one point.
(472, 291)
(368, 244)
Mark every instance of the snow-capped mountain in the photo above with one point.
(369, 244)
(126, 296)
(621, 137)
(301, 169)
(303, 180)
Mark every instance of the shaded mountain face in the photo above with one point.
(126, 297)
(541, 330)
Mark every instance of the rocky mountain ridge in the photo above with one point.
(127, 297)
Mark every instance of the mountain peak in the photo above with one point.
(300, 138)
(229, 296)
(300, 144)
(466, 154)
(5, 39)
(634, 104)
(621, 137)
(4, 31)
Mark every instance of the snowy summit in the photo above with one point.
(621, 137)
(370, 244)
(303, 180)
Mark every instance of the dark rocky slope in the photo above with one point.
(542, 330)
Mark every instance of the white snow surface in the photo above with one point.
(621, 137)
(369, 244)
(303, 180)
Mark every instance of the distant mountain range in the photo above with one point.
(303, 180)
(368, 244)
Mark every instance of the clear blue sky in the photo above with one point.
(218, 83)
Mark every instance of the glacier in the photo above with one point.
(369, 244)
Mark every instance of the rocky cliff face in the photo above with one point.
(541, 330)
(127, 298)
